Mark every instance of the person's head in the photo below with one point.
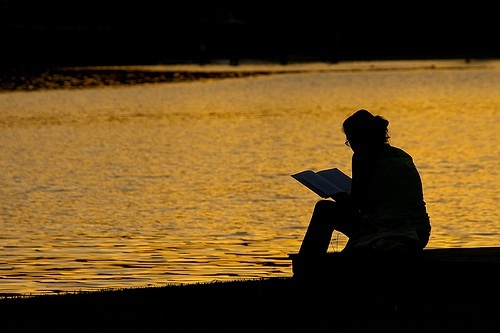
(364, 129)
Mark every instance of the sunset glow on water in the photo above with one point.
(190, 182)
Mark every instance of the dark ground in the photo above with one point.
(270, 305)
(355, 296)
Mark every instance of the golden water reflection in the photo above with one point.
(189, 182)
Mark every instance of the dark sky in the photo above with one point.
(147, 30)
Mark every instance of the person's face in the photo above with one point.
(356, 147)
(351, 145)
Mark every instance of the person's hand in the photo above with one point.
(340, 196)
(345, 203)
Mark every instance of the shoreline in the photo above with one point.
(265, 305)
(454, 290)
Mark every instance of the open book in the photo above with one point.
(325, 183)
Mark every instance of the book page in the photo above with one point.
(317, 184)
(337, 177)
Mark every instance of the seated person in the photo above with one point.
(385, 212)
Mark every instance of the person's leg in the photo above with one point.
(320, 229)
(423, 236)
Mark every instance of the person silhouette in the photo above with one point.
(385, 214)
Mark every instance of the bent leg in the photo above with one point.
(320, 229)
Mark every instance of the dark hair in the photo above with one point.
(364, 127)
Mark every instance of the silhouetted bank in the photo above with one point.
(457, 292)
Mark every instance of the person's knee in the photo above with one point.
(325, 210)
(323, 205)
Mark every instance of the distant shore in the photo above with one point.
(51, 79)
(35, 79)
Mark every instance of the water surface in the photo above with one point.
(190, 182)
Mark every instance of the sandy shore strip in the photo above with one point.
(34, 79)
(91, 78)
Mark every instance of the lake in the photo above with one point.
(190, 182)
